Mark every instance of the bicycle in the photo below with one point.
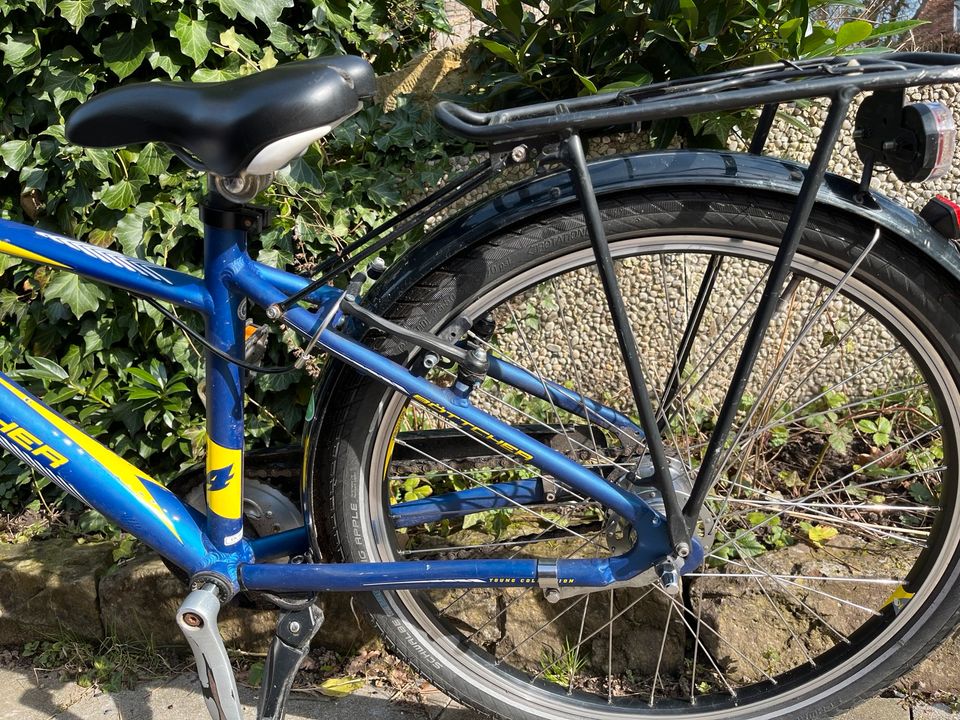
(499, 520)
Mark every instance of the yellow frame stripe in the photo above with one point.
(11, 249)
(129, 475)
(224, 487)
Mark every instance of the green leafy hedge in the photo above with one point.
(532, 50)
(112, 364)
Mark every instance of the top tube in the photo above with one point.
(131, 274)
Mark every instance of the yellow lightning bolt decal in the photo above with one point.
(898, 598)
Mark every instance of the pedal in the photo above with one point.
(197, 618)
(290, 645)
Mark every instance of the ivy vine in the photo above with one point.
(105, 361)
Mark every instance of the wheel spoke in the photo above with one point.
(663, 644)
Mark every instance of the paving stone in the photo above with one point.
(26, 695)
(933, 712)
(879, 709)
(179, 697)
(29, 695)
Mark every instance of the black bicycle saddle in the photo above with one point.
(255, 124)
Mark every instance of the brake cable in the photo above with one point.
(172, 317)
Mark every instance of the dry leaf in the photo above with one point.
(340, 687)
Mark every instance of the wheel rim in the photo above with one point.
(551, 699)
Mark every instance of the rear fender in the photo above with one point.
(654, 170)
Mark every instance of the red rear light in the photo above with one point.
(943, 214)
(936, 136)
(915, 141)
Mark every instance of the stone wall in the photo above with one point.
(51, 589)
(57, 589)
(464, 25)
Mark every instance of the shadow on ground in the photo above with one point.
(29, 695)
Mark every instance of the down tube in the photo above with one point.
(45, 441)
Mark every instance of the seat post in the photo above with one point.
(226, 227)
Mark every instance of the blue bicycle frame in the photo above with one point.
(214, 544)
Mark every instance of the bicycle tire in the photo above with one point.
(908, 293)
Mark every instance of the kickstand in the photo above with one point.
(290, 645)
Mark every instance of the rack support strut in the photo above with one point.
(678, 532)
(767, 306)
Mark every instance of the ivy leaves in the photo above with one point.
(143, 202)
(66, 78)
(195, 36)
(21, 52)
(75, 11)
(15, 153)
(120, 195)
(267, 11)
(125, 52)
(78, 295)
(574, 47)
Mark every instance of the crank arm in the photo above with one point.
(197, 618)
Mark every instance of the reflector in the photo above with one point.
(943, 214)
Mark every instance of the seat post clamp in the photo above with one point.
(253, 219)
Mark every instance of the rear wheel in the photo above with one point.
(832, 532)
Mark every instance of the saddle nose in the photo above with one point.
(255, 124)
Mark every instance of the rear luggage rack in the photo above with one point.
(767, 85)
